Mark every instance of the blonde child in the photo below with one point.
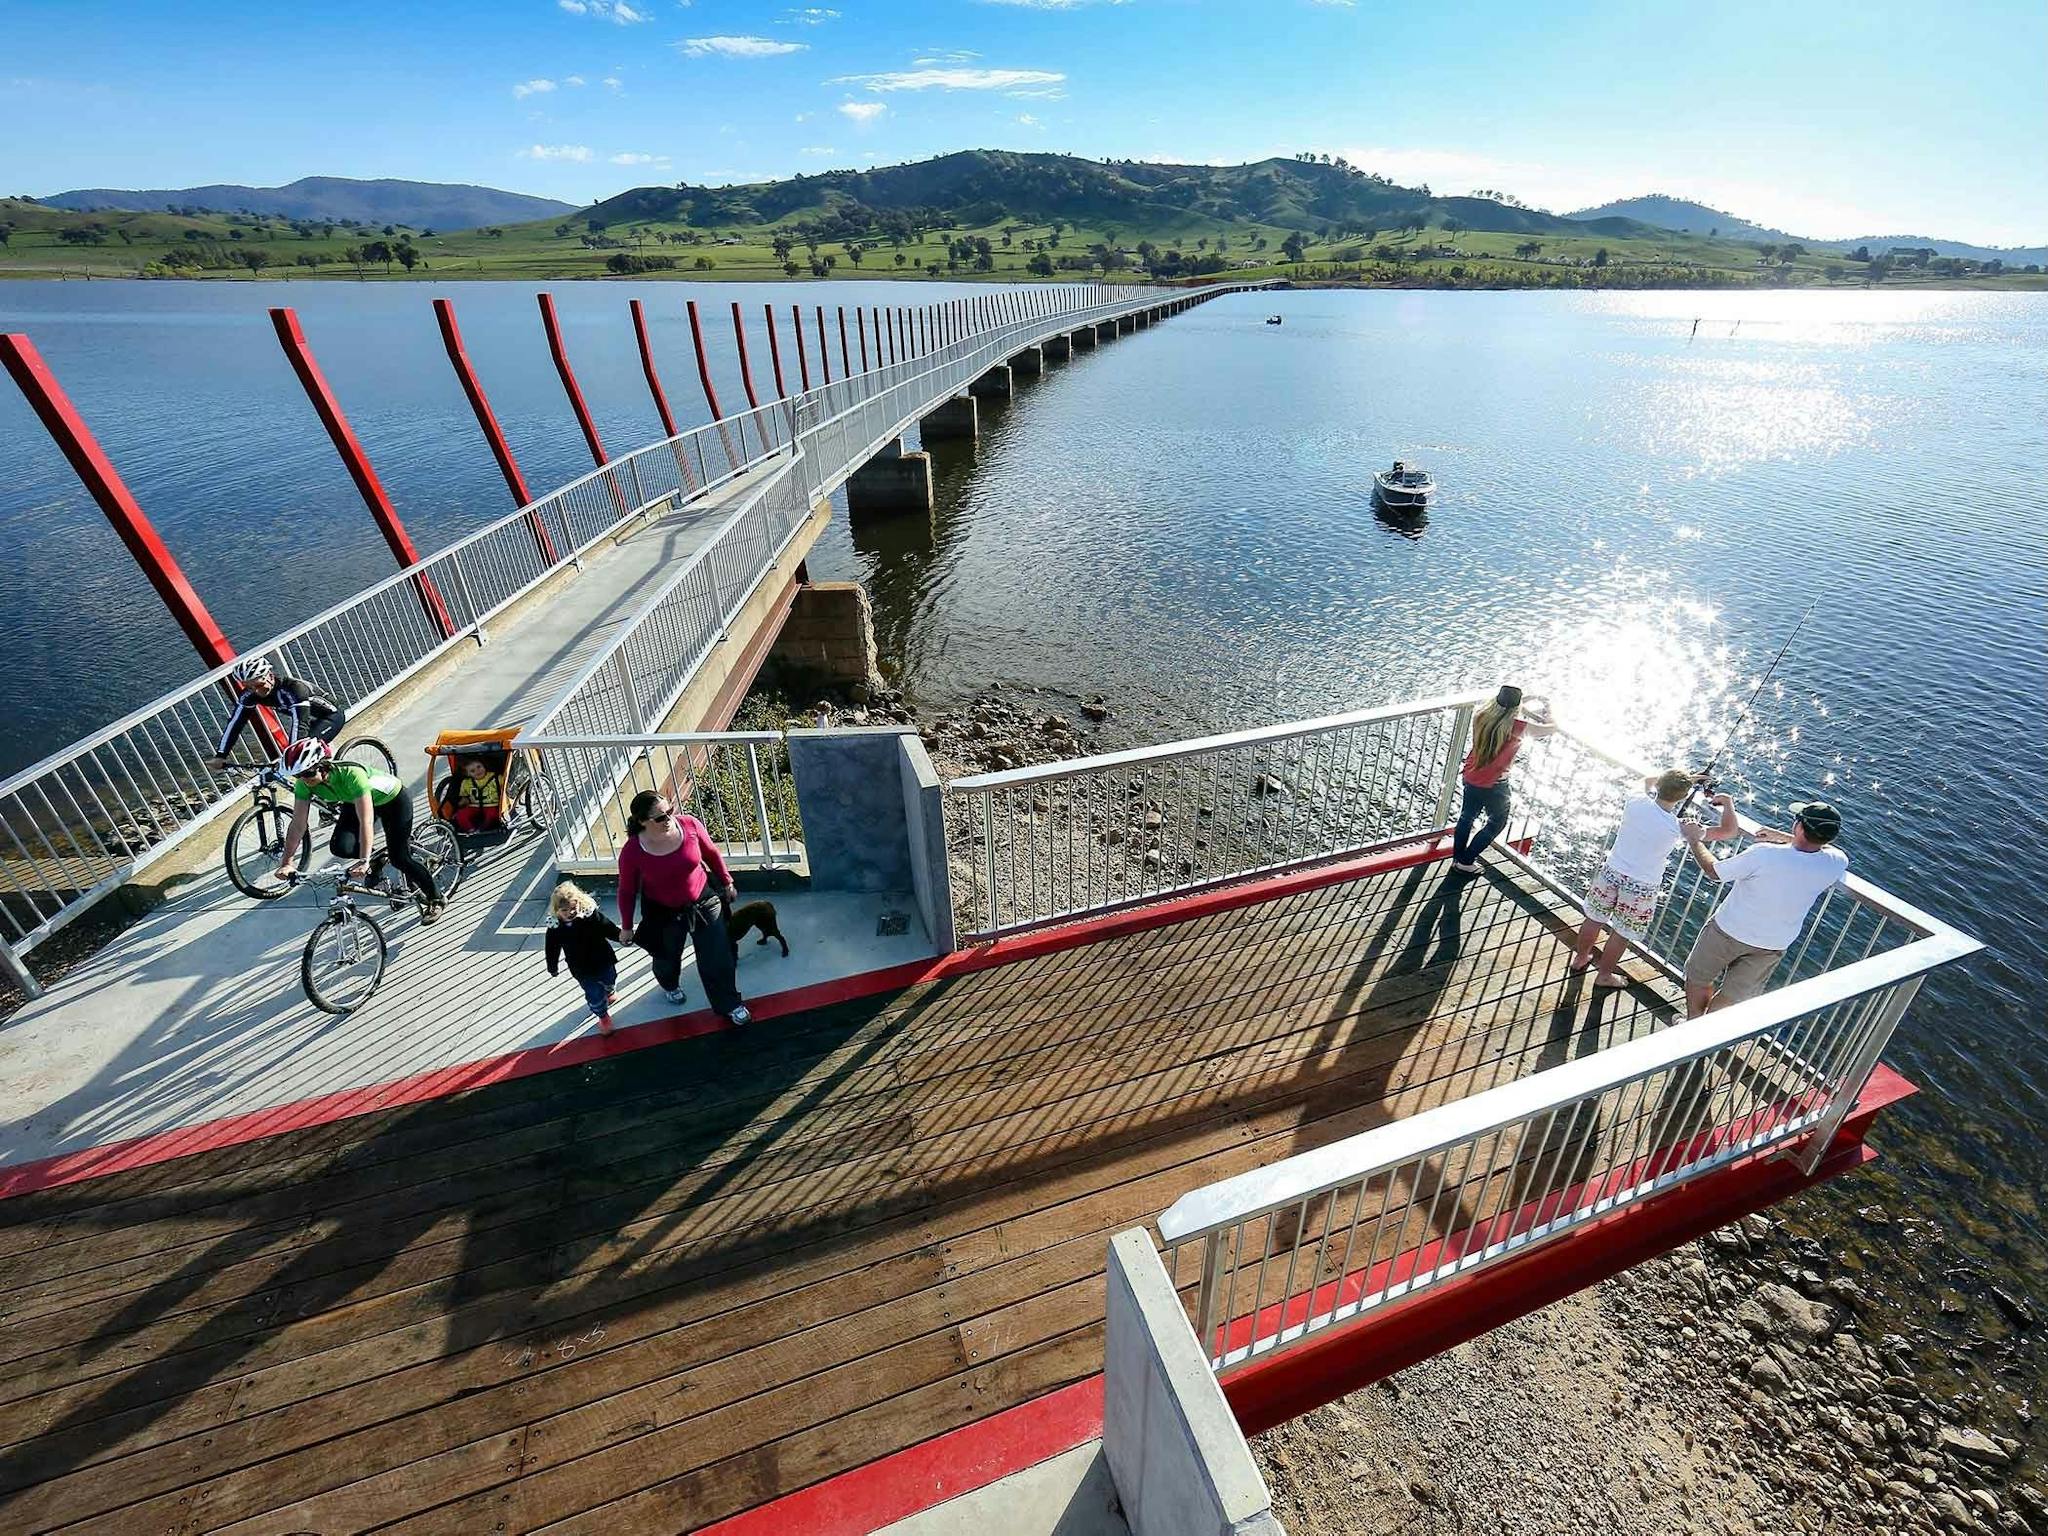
(477, 793)
(1622, 899)
(582, 934)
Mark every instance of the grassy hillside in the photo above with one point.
(1009, 217)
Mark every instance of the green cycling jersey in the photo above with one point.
(347, 783)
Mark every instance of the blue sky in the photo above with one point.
(1886, 116)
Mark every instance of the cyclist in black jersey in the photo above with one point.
(301, 708)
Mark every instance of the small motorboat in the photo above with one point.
(1272, 319)
(1404, 488)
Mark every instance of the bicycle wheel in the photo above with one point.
(255, 847)
(367, 752)
(531, 803)
(343, 962)
(434, 845)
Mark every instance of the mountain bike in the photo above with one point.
(342, 964)
(255, 845)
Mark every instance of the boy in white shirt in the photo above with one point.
(1622, 900)
(1773, 885)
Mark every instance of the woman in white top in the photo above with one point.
(1623, 899)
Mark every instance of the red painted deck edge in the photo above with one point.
(441, 1082)
(866, 1498)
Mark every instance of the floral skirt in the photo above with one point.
(1622, 902)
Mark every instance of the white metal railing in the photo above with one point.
(736, 782)
(77, 825)
(1054, 841)
(81, 822)
(1283, 1252)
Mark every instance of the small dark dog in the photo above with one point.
(740, 921)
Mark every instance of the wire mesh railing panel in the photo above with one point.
(1281, 1254)
(737, 783)
(1041, 844)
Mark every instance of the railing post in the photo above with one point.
(1210, 1299)
(476, 623)
(639, 490)
(1454, 760)
(761, 804)
(17, 968)
(1855, 1073)
(628, 692)
(562, 522)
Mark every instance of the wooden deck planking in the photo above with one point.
(744, 1275)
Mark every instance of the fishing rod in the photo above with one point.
(1703, 781)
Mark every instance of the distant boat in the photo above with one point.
(1272, 319)
(1403, 488)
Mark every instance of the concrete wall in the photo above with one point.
(924, 819)
(849, 796)
(1181, 1464)
(827, 641)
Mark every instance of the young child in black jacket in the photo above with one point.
(580, 933)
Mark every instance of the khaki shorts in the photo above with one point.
(1742, 968)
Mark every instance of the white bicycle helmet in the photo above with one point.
(306, 754)
(255, 670)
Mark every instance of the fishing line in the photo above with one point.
(1704, 782)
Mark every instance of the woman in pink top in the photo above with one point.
(1498, 731)
(672, 875)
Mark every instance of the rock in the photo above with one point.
(1054, 726)
(2015, 1307)
(1094, 711)
(1768, 1374)
(1779, 1311)
(1151, 858)
(1985, 1500)
(1874, 1216)
(1757, 1226)
(1969, 1445)
(1154, 821)
(1265, 784)
(1952, 1509)
(1113, 836)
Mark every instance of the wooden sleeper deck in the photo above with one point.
(651, 1292)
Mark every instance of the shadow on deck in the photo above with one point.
(651, 1291)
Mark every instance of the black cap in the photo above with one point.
(1822, 821)
(1508, 697)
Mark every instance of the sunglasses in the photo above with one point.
(663, 818)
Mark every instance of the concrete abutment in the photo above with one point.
(892, 481)
(956, 419)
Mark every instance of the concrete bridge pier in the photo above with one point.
(892, 481)
(827, 641)
(996, 384)
(957, 418)
(1085, 338)
(1059, 348)
(1126, 324)
(1030, 360)
(1106, 331)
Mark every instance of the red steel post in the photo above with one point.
(739, 336)
(845, 357)
(775, 352)
(553, 326)
(824, 350)
(668, 422)
(860, 324)
(328, 409)
(92, 466)
(803, 363)
(515, 482)
(703, 363)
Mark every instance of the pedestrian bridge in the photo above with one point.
(455, 1263)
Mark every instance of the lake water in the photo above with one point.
(1633, 515)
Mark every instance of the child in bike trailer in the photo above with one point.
(581, 934)
(359, 795)
(478, 793)
(301, 708)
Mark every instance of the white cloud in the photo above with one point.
(1027, 120)
(818, 149)
(949, 56)
(809, 16)
(953, 79)
(737, 47)
(527, 88)
(1044, 93)
(617, 11)
(863, 112)
(1053, 5)
(612, 83)
(574, 80)
(634, 157)
(576, 152)
(1345, 4)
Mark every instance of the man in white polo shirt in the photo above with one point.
(1772, 885)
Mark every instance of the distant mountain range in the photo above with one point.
(1690, 218)
(421, 204)
(980, 186)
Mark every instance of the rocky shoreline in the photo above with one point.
(1737, 1385)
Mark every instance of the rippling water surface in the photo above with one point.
(1632, 518)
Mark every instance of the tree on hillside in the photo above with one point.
(853, 253)
(1600, 257)
(408, 257)
(1529, 250)
(1294, 246)
(1787, 254)
(1767, 252)
(253, 259)
(781, 245)
(1861, 253)
(901, 258)
(1454, 227)
(6, 233)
